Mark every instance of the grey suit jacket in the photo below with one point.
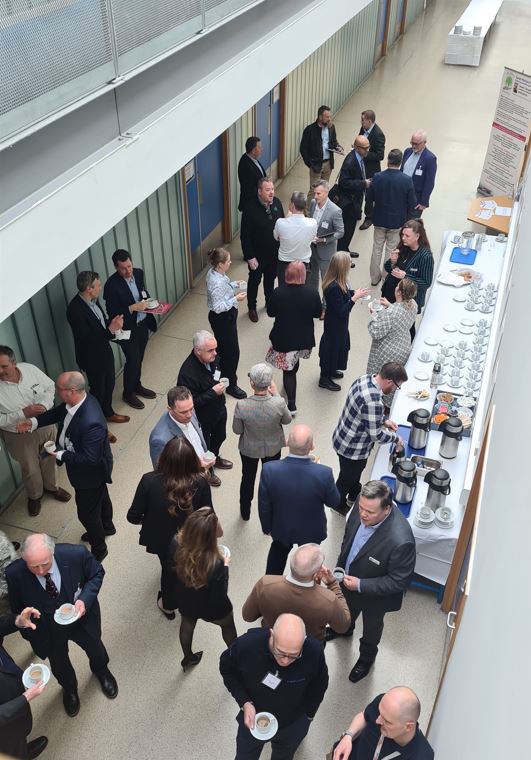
(333, 222)
(258, 421)
(166, 429)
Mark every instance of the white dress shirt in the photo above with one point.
(55, 575)
(34, 387)
(192, 436)
(295, 234)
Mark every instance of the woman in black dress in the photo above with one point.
(166, 497)
(335, 341)
(294, 305)
(197, 581)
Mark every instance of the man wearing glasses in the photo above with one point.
(280, 671)
(421, 165)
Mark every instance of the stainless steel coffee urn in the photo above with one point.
(420, 426)
(439, 482)
(406, 480)
(452, 430)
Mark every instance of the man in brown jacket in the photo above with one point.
(300, 593)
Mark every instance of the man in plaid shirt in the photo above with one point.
(361, 425)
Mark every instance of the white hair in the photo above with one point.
(31, 540)
(201, 337)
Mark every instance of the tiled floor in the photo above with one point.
(160, 712)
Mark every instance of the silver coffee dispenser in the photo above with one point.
(405, 473)
(439, 488)
(420, 426)
(452, 430)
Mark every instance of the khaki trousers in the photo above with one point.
(326, 171)
(38, 474)
(382, 236)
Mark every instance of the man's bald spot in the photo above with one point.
(404, 703)
(71, 380)
(361, 142)
(300, 440)
(289, 631)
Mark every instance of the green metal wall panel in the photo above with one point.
(414, 9)
(38, 331)
(393, 24)
(238, 134)
(329, 76)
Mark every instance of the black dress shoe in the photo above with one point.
(359, 671)
(354, 255)
(326, 382)
(133, 401)
(36, 746)
(191, 660)
(85, 536)
(253, 316)
(352, 265)
(236, 392)
(34, 507)
(145, 392)
(330, 634)
(108, 684)
(223, 464)
(71, 703)
(100, 556)
(16, 545)
(213, 479)
(366, 224)
(337, 375)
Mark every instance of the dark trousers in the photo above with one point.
(134, 349)
(215, 430)
(283, 745)
(224, 327)
(373, 625)
(277, 557)
(101, 379)
(349, 223)
(249, 469)
(281, 271)
(94, 511)
(266, 268)
(60, 661)
(348, 481)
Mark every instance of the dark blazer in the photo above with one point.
(291, 499)
(150, 508)
(311, 146)
(166, 429)
(351, 185)
(15, 712)
(79, 570)
(385, 564)
(294, 308)
(390, 199)
(256, 233)
(425, 181)
(248, 175)
(90, 464)
(377, 150)
(91, 339)
(118, 298)
(200, 381)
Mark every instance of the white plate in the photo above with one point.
(467, 322)
(271, 731)
(46, 673)
(422, 376)
(450, 328)
(429, 359)
(459, 298)
(466, 330)
(61, 621)
(447, 344)
(431, 342)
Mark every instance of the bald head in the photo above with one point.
(287, 638)
(399, 711)
(361, 143)
(71, 387)
(306, 562)
(300, 440)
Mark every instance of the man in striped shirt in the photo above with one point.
(361, 425)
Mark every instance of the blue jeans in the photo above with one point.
(283, 745)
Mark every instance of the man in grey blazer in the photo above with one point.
(330, 229)
(378, 555)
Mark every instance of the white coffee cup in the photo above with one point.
(243, 285)
(152, 303)
(225, 381)
(66, 611)
(209, 457)
(262, 723)
(35, 672)
(338, 574)
(224, 550)
(49, 446)
(425, 356)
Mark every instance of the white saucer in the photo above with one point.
(422, 376)
(425, 360)
(431, 342)
(46, 673)
(271, 731)
(153, 303)
(60, 621)
(466, 330)
(467, 322)
(444, 517)
(459, 298)
(450, 328)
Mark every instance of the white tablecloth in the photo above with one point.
(466, 49)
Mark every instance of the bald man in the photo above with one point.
(388, 727)
(82, 444)
(292, 496)
(351, 186)
(281, 671)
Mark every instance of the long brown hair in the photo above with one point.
(417, 226)
(197, 553)
(181, 468)
(337, 271)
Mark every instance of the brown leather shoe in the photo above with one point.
(223, 464)
(213, 480)
(34, 507)
(366, 224)
(145, 392)
(322, 315)
(133, 401)
(253, 316)
(60, 494)
(112, 438)
(118, 418)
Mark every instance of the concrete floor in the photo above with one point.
(161, 712)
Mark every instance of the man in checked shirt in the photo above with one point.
(361, 425)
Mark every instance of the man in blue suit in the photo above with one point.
(420, 164)
(46, 577)
(291, 499)
(82, 444)
(389, 203)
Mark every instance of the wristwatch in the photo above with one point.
(347, 733)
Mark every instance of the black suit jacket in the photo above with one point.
(391, 199)
(256, 233)
(79, 571)
(15, 712)
(200, 381)
(351, 185)
(377, 150)
(248, 175)
(90, 463)
(385, 564)
(91, 339)
(118, 299)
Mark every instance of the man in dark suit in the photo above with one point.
(82, 444)
(15, 712)
(390, 201)
(200, 373)
(250, 170)
(376, 153)
(421, 165)
(350, 189)
(92, 333)
(47, 577)
(318, 143)
(291, 499)
(378, 554)
(125, 293)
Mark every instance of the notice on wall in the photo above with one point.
(508, 137)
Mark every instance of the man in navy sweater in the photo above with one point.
(281, 671)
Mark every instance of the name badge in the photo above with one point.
(217, 375)
(145, 295)
(418, 172)
(376, 561)
(413, 270)
(271, 681)
(324, 225)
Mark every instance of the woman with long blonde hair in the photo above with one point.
(335, 341)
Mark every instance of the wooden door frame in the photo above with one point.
(226, 225)
(281, 163)
(403, 19)
(386, 31)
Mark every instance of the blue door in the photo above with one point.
(267, 119)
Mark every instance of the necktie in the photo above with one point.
(8, 664)
(50, 587)
(362, 166)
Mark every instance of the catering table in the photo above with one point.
(435, 545)
(466, 47)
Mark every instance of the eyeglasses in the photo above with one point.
(396, 385)
(419, 142)
(291, 657)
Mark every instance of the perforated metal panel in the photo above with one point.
(217, 10)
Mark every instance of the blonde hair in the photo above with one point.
(338, 270)
(217, 256)
(408, 291)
